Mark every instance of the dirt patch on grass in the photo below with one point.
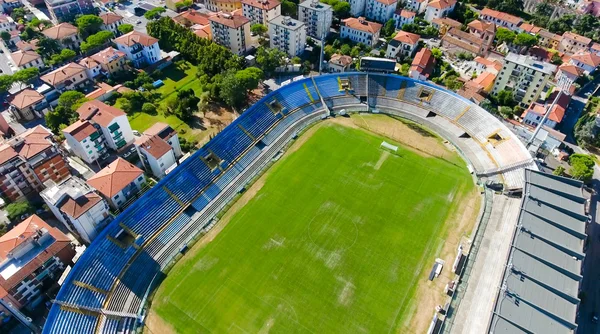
(155, 324)
(429, 294)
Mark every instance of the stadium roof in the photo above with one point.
(539, 288)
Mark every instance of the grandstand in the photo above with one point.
(104, 292)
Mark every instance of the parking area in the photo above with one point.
(127, 10)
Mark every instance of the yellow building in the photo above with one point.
(223, 5)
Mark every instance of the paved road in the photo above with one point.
(575, 108)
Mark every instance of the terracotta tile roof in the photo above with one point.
(362, 25)
(63, 74)
(24, 57)
(441, 4)
(463, 40)
(588, 58)
(194, 17)
(99, 112)
(576, 37)
(202, 31)
(262, 4)
(571, 69)
(26, 98)
(80, 130)
(549, 35)
(77, 207)
(423, 62)
(231, 20)
(88, 62)
(556, 114)
(154, 145)
(26, 46)
(483, 61)
(35, 141)
(405, 13)
(595, 47)
(407, 37)
(20, 233)
(122, 89)
(471, 93)
(484, 79)
(110, 18)
(447, 22)
(135, 37)
(530, 28)
(387, 2)
(501, 16)
(482, 26)
(107, 55)
(115, 177)
(60, 31)
(340, 60)
(7, 152)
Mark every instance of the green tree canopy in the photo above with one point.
(504, 35)
(341, 9)
(388, 28)
(289, 8)
(505, 98)
(38, 24)
(525, 39)
(258, 29)
(17, 209)
(96, 40)
(268, 59)
(64, 56)
(125, 28)
(48, 47)
(154, 13)
(5, 35)
(582, 166)
(235, 86)
(88, 24)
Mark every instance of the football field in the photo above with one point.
(333, 242)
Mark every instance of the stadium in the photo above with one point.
(106, 291)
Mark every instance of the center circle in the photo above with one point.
(333, 231)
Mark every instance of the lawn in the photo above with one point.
(331, 243)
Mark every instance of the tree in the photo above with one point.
(6, 82)
(47, 47)
(38, 24)
(71, 100)
(64, 56)
(346, 49)
(154, 13)
(149, 108)
(588, 25)
(183, 4)
(562, 24)
(504, 35)
(508, 6)
(5, 36)
(585, 131)
(430, 31)
(582, 166)
(18, 14)
(235, 86)
(125, 105)
(342, 9)
(506, 112)
(489, 106)
(388, 28)
(505, 98)
(525, 39)
(17, 209)
(258, 29)
(96, 40)
(452, 82)
(125, 28)
(187, 104)
(437, 53)
(88, 24)
(289, 8)
(26, 75)
(269, 59)
(559, 171)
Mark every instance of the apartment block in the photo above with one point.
(118, 182)
(112, 123)
(85, 141)
(357, 7)
(500, 18)
(317, 17)
(524, 76)
(360, 30)
(67, 10)
(403, 16)
(437, 9)
(287, 35)
(261, 11)
(27, 161)
(77, 206)
(571, 43)
(231, 30)
(223, 5)
(380, 10)
(33, 256)
(159, 149)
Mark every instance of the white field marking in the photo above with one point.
(234, 325)
(384, 155)
(266, 328)
(209, 300)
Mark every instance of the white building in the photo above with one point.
(357, 7)
(439, 8)
(360, 30)
(111, 22)
(287, 35)
(404, 44)
(232, 31)
(141, 49)
(26, 59)
(77, 206)
(92, 67)
(6, 23)
(403, 16)
(380, 10)
(261, 11)
(112, 122)
(418, 6)
(317, 17)
(85, 141)
(339, 63)
(586, 61)
(66, 34)
(158, 149)
(118, 182)
(500, 18)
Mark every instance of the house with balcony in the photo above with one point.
(66, 34)
(158, 148)
(588, 62)
(437, 9)
(26, 59)
(111, 22)
(261, 11)
(404, 44)
(27, 161)
(27, 104)
(111, 121)
(85, 141)
(68, 77)
(92, 67)
(360, 30)
(380, 10)
(110, 60)
(67, 10)
(502, 19)
(118, 182)
(33, 256)
(287, 35)
(77, 205)
(317, 18)
(141, 49)
(231, 30)
(571, 43)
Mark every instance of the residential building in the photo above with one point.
(261, 11)
(112, 123)
(92, 67)
(444, 24)
(197, 21)
(483, 83)
(141, 49)
(111, 60)
(528, 28)
(317, 17)
(175, 5)
(7, 23)
(500, 18)
(165, 132)
(571, 43)
(68, 77)
(104, 91)
(30, 45)
(111, 22)
(422, 65)
(439, 8)
(360, 30)
(26, 59)
(27, 161)
(568, 73)
(586, 61)
(33, 256)
(525, 76)
(158, 148)
(418, 6)
(27, 104)
(357, 7)
(403, 16)
(472, 94)
(118, 182)
(536, 111)
(595, 48)
(66, 34)
(380, 10)
(404, 44)
(287, 35)
(548, 39)
(85, 141)
(77, 206)
(67, 10)
(8, 6)
(223, 5)
(456, 41)
(482, 29)
(231, 30)
(339, 63)
(487, 65)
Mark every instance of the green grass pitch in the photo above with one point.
(332, 243)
